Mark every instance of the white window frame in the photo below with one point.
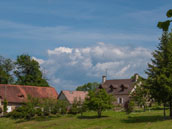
(120, 100)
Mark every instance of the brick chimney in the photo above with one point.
(103, 79)
(136, 77)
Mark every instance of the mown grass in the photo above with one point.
(110, 120)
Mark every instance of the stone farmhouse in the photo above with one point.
(16, 95)
(120, 88)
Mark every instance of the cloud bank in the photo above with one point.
(66, 68)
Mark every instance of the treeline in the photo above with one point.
(23, 71)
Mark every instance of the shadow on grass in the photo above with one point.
(40, 118)
(142, 119)
(91, 117)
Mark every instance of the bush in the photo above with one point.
(38, 112)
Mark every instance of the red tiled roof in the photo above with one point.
(72, 95)
(119, 86)
(19, 93)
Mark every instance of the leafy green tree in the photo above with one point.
(159, 72)
(74, 107)
(28, 72)
(87, 87)
(141, 93)
(99, 101)
(6, 67)
(165, 25)
(82, 107)
(63, 106)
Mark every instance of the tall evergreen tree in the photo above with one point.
(28, 72)
(160, 72)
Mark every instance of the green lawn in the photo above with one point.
(111, 120)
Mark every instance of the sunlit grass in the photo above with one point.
(110, 120)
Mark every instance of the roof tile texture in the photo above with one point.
(72, 95)
(19, 93)
(120, 86)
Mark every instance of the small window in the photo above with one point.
(120, 100)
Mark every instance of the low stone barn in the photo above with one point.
(16, 95)
(71, 96)
(120, 88)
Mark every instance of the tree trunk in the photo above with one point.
(99, 112)
(164, 111)
(81, 114)
(170, 108)
(144, 108)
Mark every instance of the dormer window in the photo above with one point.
(123, 87)
(21, 96)
(112, 88)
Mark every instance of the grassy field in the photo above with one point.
(111, 120)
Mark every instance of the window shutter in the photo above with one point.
(122, 100)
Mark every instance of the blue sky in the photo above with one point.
(117, 35)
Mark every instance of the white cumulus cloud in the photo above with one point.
(67, 68)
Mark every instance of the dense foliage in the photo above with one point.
(24, 71)
(165, 25)
(6, 67)
(28, 72)
(39, 107)
(88, 87)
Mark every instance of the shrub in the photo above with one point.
(38, 112)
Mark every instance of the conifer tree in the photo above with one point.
(160, 72)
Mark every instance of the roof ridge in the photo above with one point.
(118, 79)
(26, 86)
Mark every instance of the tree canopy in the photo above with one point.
(99, 101)
(165, 24)
(28, 72)
(88, 87)
(6, 67)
